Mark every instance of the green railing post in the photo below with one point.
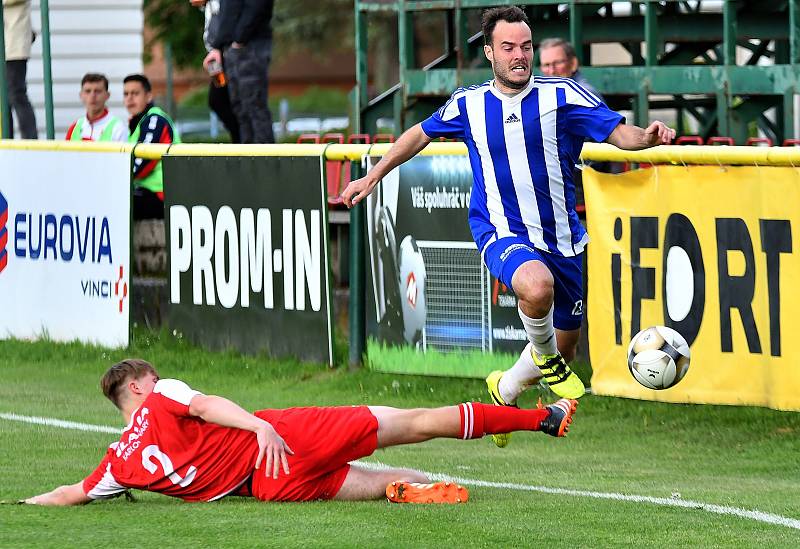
(169, 102)
(5, 114)
(357, 305)
(44, 6)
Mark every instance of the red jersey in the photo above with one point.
(166, 450)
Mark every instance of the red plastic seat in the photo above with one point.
(720, 140)
(308, 138)
(758, 142)
(689, 140)
(383, 138)
(791, 142)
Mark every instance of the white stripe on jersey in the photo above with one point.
(548, 113)
(521, 174)
(107, 487)
(477, 122)
(176, 390)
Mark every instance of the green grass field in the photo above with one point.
(745, 459)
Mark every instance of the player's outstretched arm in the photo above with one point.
(407, 145)
(634, 138)
(219, 410)
(63, 495)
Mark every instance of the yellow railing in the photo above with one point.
(669, 154)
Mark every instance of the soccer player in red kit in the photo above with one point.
(197, 447)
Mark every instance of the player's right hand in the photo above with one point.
(272, 445)
(357, 190)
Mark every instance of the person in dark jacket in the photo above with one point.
(244, 41)
(219, 100)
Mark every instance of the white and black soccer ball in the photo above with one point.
(412, 289)
(658, 357)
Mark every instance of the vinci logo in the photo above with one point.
(3, 232)
(116, 291)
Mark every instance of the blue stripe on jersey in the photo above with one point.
(567, 163)
(532, 129)
(502, 169)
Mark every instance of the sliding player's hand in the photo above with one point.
(272, 445)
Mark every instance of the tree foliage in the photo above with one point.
(315, 27)
(177, 23)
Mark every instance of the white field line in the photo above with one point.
(759, 516)
(51, 422)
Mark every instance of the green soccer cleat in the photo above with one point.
(556, 424)
(562, 381)
(492, 382)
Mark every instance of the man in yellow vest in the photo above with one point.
(98, 124)
(148, 124)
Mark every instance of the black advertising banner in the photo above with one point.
(248, 254)
(428, 290)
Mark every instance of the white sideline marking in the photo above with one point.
(759, 516)
(50, 422)
(669, 502)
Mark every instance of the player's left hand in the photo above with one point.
(272, 445)
(658, 133)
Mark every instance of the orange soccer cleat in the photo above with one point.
(414, 492)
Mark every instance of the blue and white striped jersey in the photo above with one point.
(522, 150)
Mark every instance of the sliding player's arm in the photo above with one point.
(219, 410)
(407, 145)
(63, 495)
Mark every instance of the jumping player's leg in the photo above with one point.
(568, 343)
(549, 294)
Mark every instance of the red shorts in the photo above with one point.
(324, 441)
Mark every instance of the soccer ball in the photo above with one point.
(658, 357)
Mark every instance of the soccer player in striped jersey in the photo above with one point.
(524, 135)
(182, 443)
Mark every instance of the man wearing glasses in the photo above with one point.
(557, 58)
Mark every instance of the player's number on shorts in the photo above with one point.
(153, 451)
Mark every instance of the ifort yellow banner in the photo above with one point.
(712, 252)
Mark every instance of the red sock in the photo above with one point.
(487, 419)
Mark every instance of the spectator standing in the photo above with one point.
(98, 124)
(244, 40)
(148, 124)
(19, 37)
(557, 58)
(219, 100)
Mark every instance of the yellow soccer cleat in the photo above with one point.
(562, 381)
(492, 382)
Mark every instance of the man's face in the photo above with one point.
(554, 62)
(94, 96)
(511, 54)
(135, 97)
(146, 383)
